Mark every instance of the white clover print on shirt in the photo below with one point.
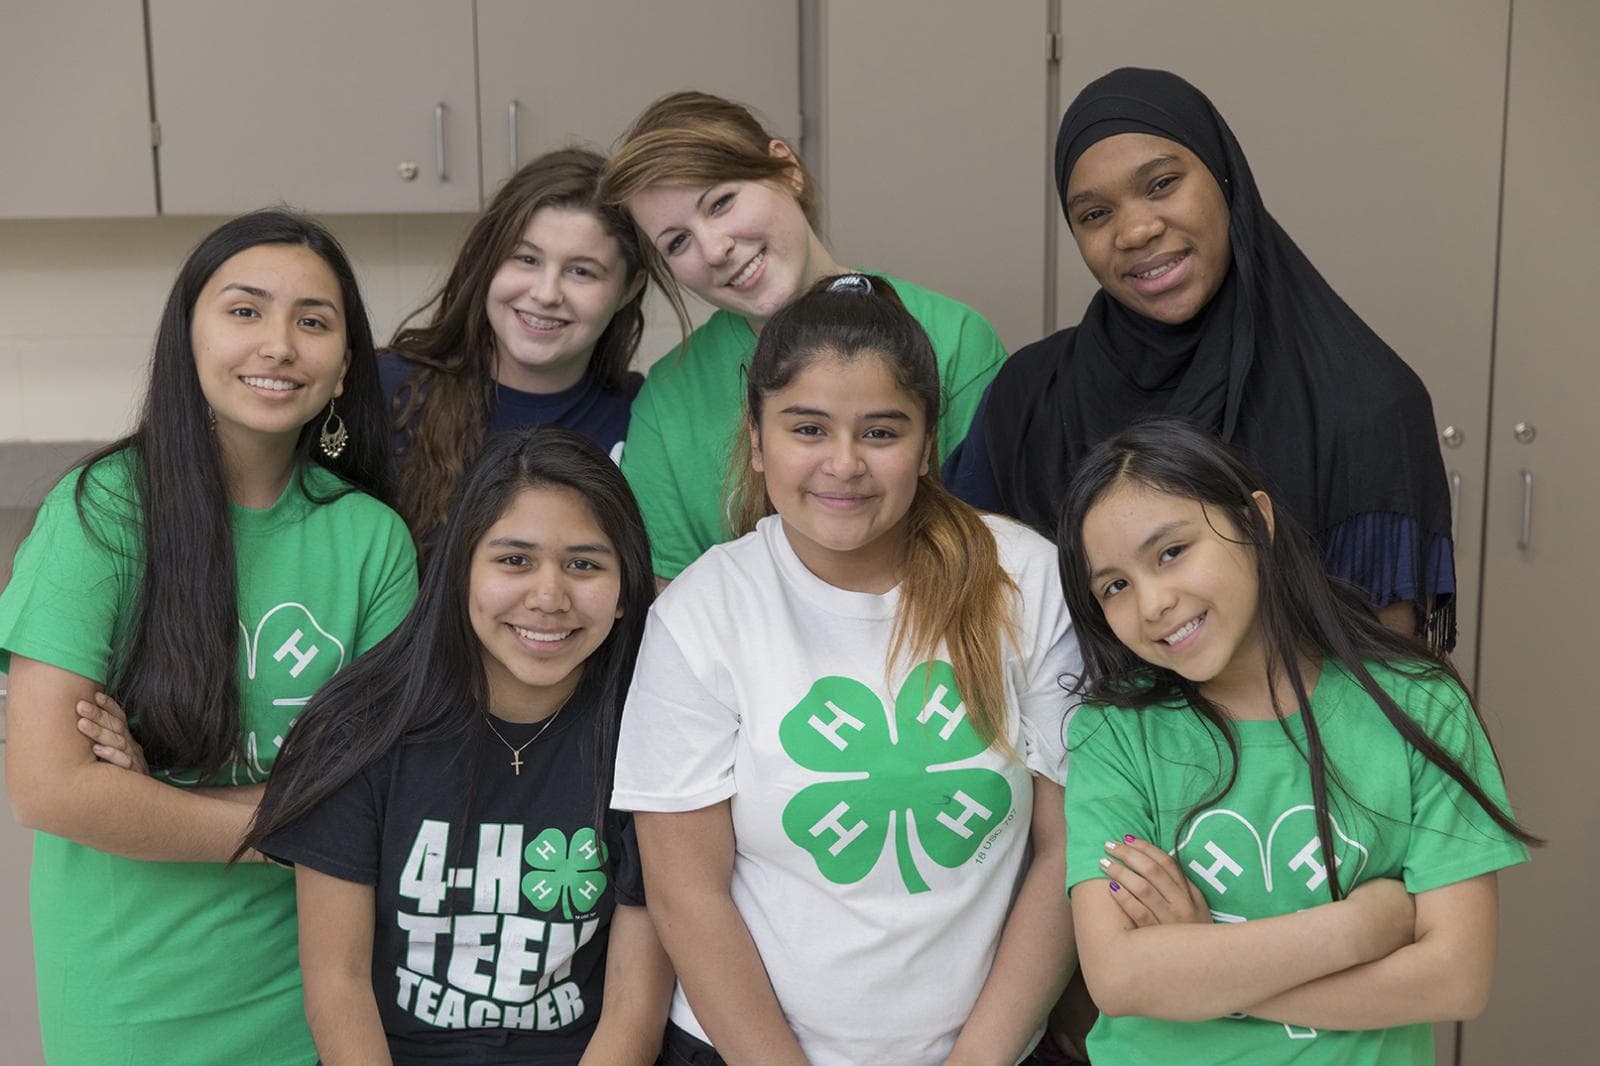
(1243, 876)
(904, 779)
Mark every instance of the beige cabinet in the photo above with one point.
(556, 74)
(935, 153)
(75, 125)
(1541, 578)
(359, 106)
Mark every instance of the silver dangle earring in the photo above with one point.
(211, 418)
(334, 434)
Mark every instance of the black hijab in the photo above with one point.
(1276, 362)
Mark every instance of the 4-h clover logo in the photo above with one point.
(902, 781)
(571, 876)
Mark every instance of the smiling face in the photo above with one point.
(543, 593)
(1176, 587)
(841, 449)
(1151, 223)
(551, 300)
(742, 246)
(270, 350)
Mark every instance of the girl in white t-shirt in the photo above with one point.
(845, 731)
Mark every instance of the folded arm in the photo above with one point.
(1193, 971)
(1444, 975)
(58, 786)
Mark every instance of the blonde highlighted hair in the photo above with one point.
(953, 590)
(693, 138)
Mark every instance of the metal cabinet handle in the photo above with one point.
(438, 141)
(511, 135)
(1527, 511)
(1455, 507)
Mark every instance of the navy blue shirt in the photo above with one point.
(597, 413)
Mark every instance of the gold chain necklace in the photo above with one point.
(516, 752)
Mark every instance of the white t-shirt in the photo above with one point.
(879, 843)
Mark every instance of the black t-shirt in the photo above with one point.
(489, 941)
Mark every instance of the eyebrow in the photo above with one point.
(575, 259)
(263, 294)
(1140, 172)
(1160, 533)
(570, 549)
(872, 416)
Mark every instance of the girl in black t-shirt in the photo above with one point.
(464, 891)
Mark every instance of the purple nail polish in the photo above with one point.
(1115, 887)
(1128, 838)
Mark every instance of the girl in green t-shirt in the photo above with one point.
(1284, 819)
(728, 212)
(206, 573)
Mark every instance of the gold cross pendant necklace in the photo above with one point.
(516, 752)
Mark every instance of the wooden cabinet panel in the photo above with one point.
(935, 163)
(1541, 580)
(75, 128)
(579, 73)
(316, 105)
(1374, 131)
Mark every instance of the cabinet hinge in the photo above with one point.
(155, 135)
(1054, 53)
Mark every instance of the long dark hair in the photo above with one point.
(177, 673)
(443, 407)
(425, 681)
(953, 589)
(1300, 610)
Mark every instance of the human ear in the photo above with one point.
(927, 456)
(344, 368)
(635, 287)
(756, 462)
(779, 150)
(1263, 504)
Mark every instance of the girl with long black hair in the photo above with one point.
(206, 573)
(1279, 808)
(460, 877)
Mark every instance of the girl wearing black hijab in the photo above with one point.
(1207, 310)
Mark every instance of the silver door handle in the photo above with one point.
(1455, 506)
(438, 141)
(511, 134)
(1527, 511)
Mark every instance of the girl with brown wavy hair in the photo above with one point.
(729, 212)
(845, 731)
(536, 324)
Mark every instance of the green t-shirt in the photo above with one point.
(145, 962)
(680, 440)
(1255, 853)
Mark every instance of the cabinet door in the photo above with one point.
(75, 128)
(19, 1006)
(1541, 579)
(557, 74)
(934, 164)
(1374, 131)
(327, 107)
